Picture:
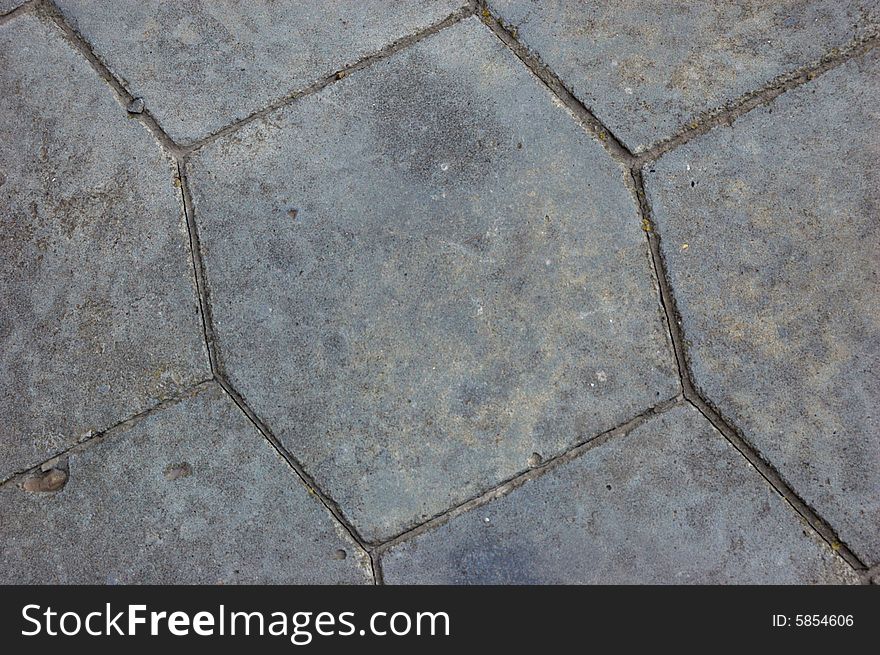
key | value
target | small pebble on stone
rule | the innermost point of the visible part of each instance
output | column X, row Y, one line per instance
column 136, row 106
column 46, row 481
column 177, row 471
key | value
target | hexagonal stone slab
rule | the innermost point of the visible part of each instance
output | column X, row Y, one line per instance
column 100, row 316
column 202, row 65
column 425, row 273
column 771, row 234
column 190, row 494
column 671, row 502
column 647, row 69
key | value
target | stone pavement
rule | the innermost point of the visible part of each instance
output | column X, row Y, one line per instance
column 439, row 291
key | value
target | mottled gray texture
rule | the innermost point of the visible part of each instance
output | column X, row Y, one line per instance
column 670, row 502
column 463, row 281
column 202, row 64
column 647, row 67
column 8, row 5
column 778, row 286
column 99, row 315
column 190, row 494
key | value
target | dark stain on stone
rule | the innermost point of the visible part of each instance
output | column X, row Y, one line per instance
column 292, row 213
column 336, row 348
column 427, row 123
column 487, row 559
column 177, row 471
column 472, row 398
column 479, row 242
column 46, row 481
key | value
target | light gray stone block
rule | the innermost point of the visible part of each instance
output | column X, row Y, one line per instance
column 671, row 502
column 648, row 68
column 771, row 233
column 426, row 273
column 190, row 494
column 99, row 316
column 202, row 65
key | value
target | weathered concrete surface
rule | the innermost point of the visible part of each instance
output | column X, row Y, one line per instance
column 202, row 65
column 8, row 5
column 646, row 69
column 670, row 502
column 424, row 274
column 99, row 314
column 778, row 285
column 189, row 494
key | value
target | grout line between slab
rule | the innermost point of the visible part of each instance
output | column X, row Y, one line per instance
column 581, row 112
column 54, row 15
column 20, row 9
column 667, row 302
column 775, row 479
column 713, row 118
column 198, row 269
column 376, row 565
column 505, row 487
column 294, row 464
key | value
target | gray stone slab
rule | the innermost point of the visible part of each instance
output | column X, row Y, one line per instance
column 647, row 69
column 8, row 5
column 202, row 65
column 424, row 274
column 671, row 503
column 190, row 494
column 100, row 317
column 778, row 285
